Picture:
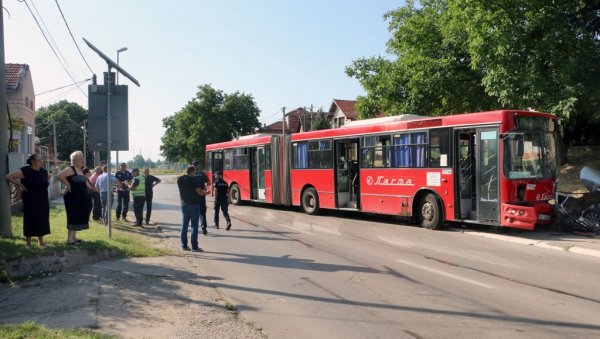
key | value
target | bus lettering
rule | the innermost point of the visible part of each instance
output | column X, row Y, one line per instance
column 383, row 181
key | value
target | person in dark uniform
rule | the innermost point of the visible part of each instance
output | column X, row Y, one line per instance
column 190, row 191
column 33, row 182
column 151, row 181
column 221, row 199
column 123, row 193
column 205, row 181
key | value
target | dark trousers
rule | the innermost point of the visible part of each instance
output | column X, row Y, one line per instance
column 138, row 209
column 97, row 206
column 203, row 222
column 122, row 203
column 148, row 206
column 224, row 206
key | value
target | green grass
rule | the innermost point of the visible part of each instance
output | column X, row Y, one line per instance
column 127, row 241
column 162, row 171
column 32, row 330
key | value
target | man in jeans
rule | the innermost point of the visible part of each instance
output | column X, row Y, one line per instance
column 191, row 190
column 125, row 179
column 103, row 186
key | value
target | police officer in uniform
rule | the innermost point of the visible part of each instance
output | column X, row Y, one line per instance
column 221, row 200
column 138, row 190
column 123, row 193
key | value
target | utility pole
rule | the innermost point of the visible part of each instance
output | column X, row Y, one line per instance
column 283, row 121
column 5, row 220
column 84, row 143
column 54, row 141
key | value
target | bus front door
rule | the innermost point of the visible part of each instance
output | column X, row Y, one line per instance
column 257, row 177
column 216, row 163
column 477, row 169
column 346, row 174
column 487, row 180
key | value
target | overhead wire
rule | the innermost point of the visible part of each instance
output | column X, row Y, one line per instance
column 72, row 37
column 50, row 45
column 69, row 85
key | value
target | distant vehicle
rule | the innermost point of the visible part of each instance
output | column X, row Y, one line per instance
column 494, row 168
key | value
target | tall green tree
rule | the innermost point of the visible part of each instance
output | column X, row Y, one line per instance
column 455, row 56
column 69, row 118
column 212, row 116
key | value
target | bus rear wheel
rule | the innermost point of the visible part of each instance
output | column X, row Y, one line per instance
column 430, row 216
column 234, row 194
column 310, row 201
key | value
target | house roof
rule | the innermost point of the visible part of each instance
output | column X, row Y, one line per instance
column 14, row 74
column 295, row 120
column 346, row 106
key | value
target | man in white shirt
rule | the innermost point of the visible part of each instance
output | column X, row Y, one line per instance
column 104, row 188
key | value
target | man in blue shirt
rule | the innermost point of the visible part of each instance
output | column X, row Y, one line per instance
column 104, row 188
column 125, row 179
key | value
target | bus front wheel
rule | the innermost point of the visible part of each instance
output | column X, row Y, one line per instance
column 234, row 194
column 430, row 215
column 310, row 201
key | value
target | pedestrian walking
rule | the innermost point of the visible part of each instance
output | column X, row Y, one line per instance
column 151, row 181
column 190, row 192
column 33, row 182
column 205, row 181
column 104, row 189
column 76, row 197
column 138, row 191
column 125, row 177
column 221, row 189
column 96, row 200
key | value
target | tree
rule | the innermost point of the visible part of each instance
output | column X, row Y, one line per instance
column 320, row 122
column 212, row 116
column 455, row 56
column 69, row 118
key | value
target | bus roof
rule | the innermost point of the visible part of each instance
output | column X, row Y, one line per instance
column 246, row 140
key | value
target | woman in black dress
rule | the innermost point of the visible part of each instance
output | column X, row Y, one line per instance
column 33, row 182
column 76, row 197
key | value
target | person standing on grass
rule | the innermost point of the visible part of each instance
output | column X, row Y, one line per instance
column 105, row 188
column 97, row 202
column 76, row 197
column 190, row 191
column 151, row 181
column 125, row 177
column 138, row 189
column 221, row 200
column 33, row 182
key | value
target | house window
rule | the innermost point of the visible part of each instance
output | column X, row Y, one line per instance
column 27, row 102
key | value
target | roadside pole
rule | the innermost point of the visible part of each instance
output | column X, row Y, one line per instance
column 5, row 220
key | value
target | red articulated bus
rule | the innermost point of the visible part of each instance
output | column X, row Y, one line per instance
column 493, row 168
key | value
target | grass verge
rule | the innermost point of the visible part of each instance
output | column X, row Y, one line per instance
column 127, row 241
column 30, row 329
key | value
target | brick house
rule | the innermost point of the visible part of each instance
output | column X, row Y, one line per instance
column 296, row 121
column 20, row 98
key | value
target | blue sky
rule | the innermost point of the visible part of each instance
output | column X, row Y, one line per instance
column 284, row 53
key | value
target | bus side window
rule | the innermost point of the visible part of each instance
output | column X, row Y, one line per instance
column 228, row 159
column 439, row 147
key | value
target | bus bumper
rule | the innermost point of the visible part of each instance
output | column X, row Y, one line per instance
column 517, row 216
column 526, row 217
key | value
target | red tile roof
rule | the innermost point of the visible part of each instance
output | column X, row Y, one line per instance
column 295, row 120
column 346, row 106
column 14, row 74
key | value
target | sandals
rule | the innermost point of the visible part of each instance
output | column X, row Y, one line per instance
column 76, row 242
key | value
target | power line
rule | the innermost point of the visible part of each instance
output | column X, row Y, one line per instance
column 72, row 37
column 69, row 85
column 50, row 45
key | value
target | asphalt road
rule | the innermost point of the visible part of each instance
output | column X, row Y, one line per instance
column 359, row 276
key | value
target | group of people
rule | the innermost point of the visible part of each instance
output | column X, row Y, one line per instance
column 193, row 186
column 85, row 194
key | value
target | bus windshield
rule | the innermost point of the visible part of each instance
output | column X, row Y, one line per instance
column 530, row 154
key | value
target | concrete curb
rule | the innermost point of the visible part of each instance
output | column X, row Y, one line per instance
column 538, row 243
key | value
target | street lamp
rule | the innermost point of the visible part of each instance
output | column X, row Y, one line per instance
column 122, row 49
